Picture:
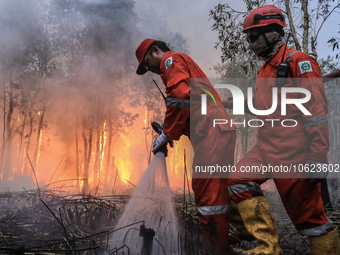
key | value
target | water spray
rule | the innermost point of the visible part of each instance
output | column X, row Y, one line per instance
column 151, row 203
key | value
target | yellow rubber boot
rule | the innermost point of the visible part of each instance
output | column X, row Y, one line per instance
column 260, row 223
column 241, row 233
column 328, row 244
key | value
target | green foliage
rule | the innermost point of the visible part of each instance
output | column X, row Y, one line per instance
column 328, row 65
column 231, row 40
column 228, row 22
column 334, row 41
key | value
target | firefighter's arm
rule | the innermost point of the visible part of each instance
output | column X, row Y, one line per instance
column 178, row 98
column 316, row 124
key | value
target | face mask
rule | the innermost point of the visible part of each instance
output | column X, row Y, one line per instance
column 264, row 45
column 258, row 46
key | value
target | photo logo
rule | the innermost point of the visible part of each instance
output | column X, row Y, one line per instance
column 238, row 100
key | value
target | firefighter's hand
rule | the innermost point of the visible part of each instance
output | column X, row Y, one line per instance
column 160, row 141
column 318, row 171
column 163, row 149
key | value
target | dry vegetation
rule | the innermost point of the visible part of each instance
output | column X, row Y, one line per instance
column 40, row 222
column 35, row 221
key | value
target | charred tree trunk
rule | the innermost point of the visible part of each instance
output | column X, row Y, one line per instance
column 102, row 146
column 37, row 148
column 108, row 167
column 86, row 167
column 22, row 137
column 3, row 147
column 115, row 175
column 28, row 144
column 97, row 154
column 87, row 154
column 77, row 156
column 8, row 151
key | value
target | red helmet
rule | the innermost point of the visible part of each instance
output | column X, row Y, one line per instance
column 140, row 53
column 264, row 16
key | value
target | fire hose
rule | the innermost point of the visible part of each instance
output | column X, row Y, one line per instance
column 331, row 76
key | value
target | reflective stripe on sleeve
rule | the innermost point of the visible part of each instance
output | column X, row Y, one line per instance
column 315, row 121
column 212, row 210
column 318, row 231
column 177, row 102
column 243, row 187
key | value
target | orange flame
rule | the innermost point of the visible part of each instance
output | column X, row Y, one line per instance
column 129, row 156
column 123, row 163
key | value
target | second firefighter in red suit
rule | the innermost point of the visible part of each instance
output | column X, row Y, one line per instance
column 307, row 143
column 214, row 146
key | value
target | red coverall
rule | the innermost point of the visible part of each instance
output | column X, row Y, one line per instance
column 309, row 140
column 216, row 145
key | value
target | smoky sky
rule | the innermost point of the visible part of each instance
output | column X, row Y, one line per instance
column 191, row 19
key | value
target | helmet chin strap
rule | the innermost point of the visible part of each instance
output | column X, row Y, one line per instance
column 269, row 48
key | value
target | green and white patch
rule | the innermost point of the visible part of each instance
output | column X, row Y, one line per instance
column 305, row 67
column 168, row 63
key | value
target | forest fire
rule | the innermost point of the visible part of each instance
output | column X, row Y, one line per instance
column 109, row 170
column 73, row 115
column 77, row 175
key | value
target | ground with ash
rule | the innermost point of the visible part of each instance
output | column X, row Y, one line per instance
column 39, row 221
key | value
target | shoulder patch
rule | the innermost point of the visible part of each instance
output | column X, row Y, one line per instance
column 168, row 63
column 305, row 67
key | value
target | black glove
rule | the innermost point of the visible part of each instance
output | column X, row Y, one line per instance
column 162, row 149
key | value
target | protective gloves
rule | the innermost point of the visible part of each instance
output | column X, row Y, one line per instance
column 163, row 149
column 161, row 141
column 319, row 171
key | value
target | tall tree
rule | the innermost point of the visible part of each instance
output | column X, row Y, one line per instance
column 305, row 30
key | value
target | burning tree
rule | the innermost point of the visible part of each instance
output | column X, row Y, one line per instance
column 70, row 93
column 65, row 78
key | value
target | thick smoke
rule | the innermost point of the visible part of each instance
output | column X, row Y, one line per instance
column 74, row 110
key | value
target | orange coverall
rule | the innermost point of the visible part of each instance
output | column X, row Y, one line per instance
column 211, row 194
column 308, row 140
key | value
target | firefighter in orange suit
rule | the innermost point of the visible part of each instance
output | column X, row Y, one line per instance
column 305, row 143
column 211, row 194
